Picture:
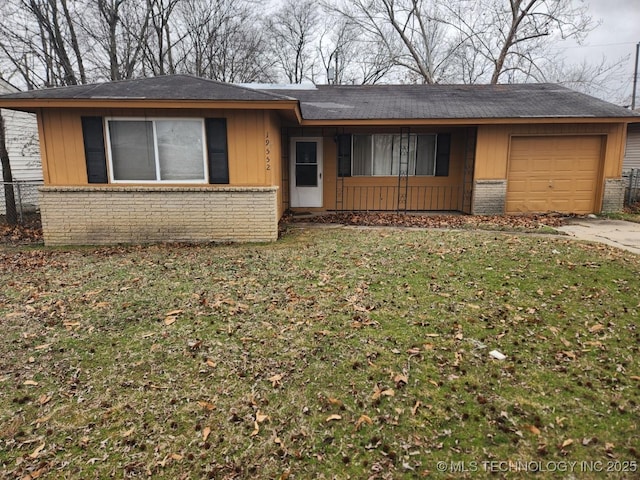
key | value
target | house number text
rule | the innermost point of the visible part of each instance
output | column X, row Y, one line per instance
column 267, row 150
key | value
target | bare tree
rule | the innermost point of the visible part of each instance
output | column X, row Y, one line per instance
column 7, row 178
column 39, row 40
column 59, row 39
column 508, row 40
column 293, row 32
column 410, row 32
column 161, row 42
column 593, row 78
column 119, row 30
column 221, row 41
column 347, row 57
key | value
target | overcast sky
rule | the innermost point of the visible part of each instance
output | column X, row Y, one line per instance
column 615, row 38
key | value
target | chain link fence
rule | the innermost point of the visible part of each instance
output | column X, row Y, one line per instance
column 25, row 194
column 632, row 192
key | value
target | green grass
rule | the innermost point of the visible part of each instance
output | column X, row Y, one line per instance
column 627, row 216
column 333, row 353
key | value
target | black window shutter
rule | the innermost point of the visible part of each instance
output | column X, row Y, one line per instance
column 94, row 152
column 217, row 150
column 344, row 155
column 442, row 155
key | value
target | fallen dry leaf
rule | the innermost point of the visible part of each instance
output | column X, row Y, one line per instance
column 285, row 475
column 206, row 405
column 173, row 313
column 41, row 420
column 30, row 383
column 334, row 417
column 169, row 320
column 37, row 451
column 379, row 392
column 205, row 433
column 260, row 417
column 401, row 378
column 364, row 419
column 567, row 442
column 533, row 429
column 276, row 380
column 596, row 328
column 128, row 432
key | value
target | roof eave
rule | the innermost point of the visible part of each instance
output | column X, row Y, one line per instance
column 462, row 121
column 34, row 104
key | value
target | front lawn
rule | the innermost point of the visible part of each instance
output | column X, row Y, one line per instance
column 333, row 353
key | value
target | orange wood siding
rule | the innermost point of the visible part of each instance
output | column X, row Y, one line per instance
column 273, row 155
column 63, row 150
column 492, row 150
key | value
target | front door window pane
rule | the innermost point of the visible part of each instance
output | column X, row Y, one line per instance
column 306, row 164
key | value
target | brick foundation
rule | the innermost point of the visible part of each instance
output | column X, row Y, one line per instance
column 613, row 198
column 107, row 215
column 489, row 197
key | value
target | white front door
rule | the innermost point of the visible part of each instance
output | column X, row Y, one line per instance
column 306, row 172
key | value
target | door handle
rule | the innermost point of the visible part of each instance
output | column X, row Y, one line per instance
column 320, row 175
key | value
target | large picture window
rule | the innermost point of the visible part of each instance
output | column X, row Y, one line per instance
column 385, row 154
column 157, row 150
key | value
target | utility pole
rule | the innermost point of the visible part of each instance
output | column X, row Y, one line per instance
column 635, row 78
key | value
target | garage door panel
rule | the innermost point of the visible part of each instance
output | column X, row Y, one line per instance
column 553, row 174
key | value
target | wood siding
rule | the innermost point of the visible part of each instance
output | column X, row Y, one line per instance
column 492, row 150
column 63, row 150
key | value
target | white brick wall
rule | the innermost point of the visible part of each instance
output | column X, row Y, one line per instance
column 107, row 215
column 489, row 197
column 613, row 198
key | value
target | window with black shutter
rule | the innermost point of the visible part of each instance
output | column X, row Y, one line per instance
column 442, row 155
column 216, row 129
column 344, row 155
column 94, row 151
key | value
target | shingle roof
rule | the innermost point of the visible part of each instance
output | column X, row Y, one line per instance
column 372, row 102
column 170, row 87
column 449, row 102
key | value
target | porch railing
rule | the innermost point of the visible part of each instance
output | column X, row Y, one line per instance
column 418, row 198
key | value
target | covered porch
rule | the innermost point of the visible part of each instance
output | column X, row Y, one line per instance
column 394, row 169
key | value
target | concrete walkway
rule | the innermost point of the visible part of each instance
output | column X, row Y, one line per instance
column 617, row 233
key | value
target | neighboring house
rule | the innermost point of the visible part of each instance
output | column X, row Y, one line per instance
column 21, row 131
column 180, row 158
column 632, row 151
column 631, row 165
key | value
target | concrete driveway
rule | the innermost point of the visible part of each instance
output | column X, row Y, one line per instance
column 617, row 233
